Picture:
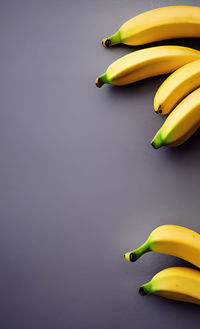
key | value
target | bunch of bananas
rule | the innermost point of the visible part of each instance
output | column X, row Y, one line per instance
column 178, row 283
column 179, row 98
column 179, row 95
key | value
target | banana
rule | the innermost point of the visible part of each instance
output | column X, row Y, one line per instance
column 146, row 63
column 173, row 240
column 178, row 85
column 181, row 123
column 158, row 24
column 178, row 283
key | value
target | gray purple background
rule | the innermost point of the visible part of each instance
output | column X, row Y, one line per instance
column 80, row 182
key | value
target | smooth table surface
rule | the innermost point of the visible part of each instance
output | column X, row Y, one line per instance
column 80, row 182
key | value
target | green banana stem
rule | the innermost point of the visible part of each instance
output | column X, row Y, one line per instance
column 137, row 253
column 112, row 40
column 146, row 289
column 101, row 80
column 157, row 140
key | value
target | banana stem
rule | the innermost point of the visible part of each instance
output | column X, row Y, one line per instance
column 157, row 140
column 145, row 289
column 137, row 253
column 112, row 40
column 101, row 80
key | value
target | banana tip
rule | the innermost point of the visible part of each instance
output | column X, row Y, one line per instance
column 106, row 42
column 153, row 144
column 99, row 83
column 142, row 292
column 158, row 109
column 130, row 257
column 126, row 256
column 157, row 142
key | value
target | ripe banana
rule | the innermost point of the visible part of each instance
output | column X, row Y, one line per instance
column 146, row 63
column 158, row 24
column 178, row 283
column 181, row 123
column 178, row 85
column 173, row 240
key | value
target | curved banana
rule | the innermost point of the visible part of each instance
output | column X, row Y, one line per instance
column 158, row 24
column 178, row 283
column 181, row 123
column 173, row 240
column 178, row 85
column 146, row 63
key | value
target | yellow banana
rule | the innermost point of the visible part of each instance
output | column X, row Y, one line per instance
column 158, row 24
column 173, row 240
column 178, row 283
column 178, row 85
column 146, row 63
column 181, row 123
